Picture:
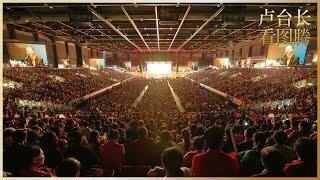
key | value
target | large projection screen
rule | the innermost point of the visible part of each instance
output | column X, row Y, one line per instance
column 159, row 68
column 20, row 52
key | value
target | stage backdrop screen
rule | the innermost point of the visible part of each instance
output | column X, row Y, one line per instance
column 97, row 63
column 300, row 50
column 19, row 52
column 277, row 51
column 159, row 67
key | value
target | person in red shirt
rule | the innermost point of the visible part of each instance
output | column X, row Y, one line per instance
column 214, row 163
column 112, row 153
column 306, row 165
column 31, row 160
column 143, row 145
column 198, row 144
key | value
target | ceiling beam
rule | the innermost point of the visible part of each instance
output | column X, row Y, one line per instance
column 113, row 27
column 134, row 26
column 202, row 26
column 76, row 30
column 104, row 34
column 212, row 33
column 157, row 23
column 248, row 25
column 53, row 35
column 55, row 31
column 184, row 17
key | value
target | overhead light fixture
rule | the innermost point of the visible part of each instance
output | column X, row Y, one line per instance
column 170, row 29
column 51, row 7
column 8, row 8
column 135, row 4
column 141, row 20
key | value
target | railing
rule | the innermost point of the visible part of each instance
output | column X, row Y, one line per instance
column 234, row 100
column 88, row 96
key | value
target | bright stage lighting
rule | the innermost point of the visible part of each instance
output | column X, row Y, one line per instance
column 159, row 68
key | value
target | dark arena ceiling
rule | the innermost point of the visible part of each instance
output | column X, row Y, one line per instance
column 150, row 27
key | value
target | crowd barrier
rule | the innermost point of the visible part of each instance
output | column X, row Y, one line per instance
column 88, row 96
column 234, row 100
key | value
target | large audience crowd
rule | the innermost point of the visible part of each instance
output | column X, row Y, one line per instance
column 256, row 86
column 211, row 139
column 58, row 85
column 157, row 99
column 260, row 84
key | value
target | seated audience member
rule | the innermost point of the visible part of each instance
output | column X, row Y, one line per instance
column 171, row 160
column 198, row 145
column 50, row 145
column 112, row 153
column 238, row 133
column 270, row 141
column 30, row 161
column 81, row 152
column 165, row 141
column 287, row 125
column 32, row 138
column 69, row 167
column 7, row 147
column 132, row 132
column 280, row 139
column 250, row 162
column 94, row 142
column 122, row 137
column 7, row 138
column 63, row 145
column 273, row 162
column 306, row 165
column 214, row 163
column 294, row 127
column 144, row 146
column 227, row 146
column 247, row 143
column 303, row 131
column 185, row 145
column 11, row 154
